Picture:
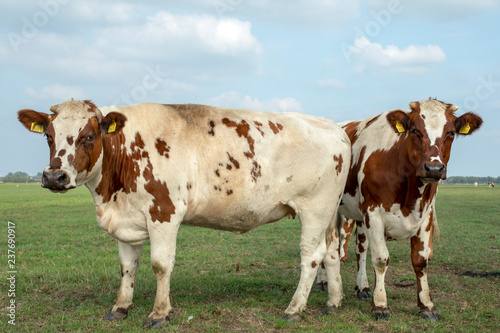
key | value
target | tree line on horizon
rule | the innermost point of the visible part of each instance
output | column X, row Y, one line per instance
column 23, row 177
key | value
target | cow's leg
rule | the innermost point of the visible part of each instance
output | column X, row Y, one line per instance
column 362, row 286
column 380, row 263
column 130, row 258
column 346, row 227
column 421, row 250
column 322, row 278
column 163, row 241
column 312, row 252
column 332, row 269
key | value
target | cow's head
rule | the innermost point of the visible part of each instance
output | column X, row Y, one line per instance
column 75, row 133
column 429, row 130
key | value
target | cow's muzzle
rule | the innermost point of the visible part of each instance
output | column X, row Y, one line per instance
column 55, row 180
column 433, row 172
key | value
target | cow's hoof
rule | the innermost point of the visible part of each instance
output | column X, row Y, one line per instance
column 156, row 323
column 431, row 315
column 119, row 314
column 322, row 286
column 291, row 318
column 381, row 314
column 330, row 309
column 364, row 294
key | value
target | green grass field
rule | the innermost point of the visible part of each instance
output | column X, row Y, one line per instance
column 68, row 272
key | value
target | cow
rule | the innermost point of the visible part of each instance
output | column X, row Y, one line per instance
column 152, row 167
column 491, row 185
column 475, row 184
column 397, row 161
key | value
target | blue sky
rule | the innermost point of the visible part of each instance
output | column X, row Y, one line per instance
column 343, row 60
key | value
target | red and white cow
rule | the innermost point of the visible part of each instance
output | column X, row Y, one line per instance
column 397, row 160
column 151, row 168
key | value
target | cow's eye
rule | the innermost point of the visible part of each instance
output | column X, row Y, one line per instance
column 450, row 136
column 415, row 132
column 89, row 138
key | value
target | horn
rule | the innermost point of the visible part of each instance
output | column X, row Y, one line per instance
column 53, row 108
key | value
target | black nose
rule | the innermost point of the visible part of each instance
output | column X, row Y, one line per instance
column 434, row 170
column 54, row 180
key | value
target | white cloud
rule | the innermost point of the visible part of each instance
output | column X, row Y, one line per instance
column 413, row 58
column 234, row 99
column 56, row 91
column 165, row 36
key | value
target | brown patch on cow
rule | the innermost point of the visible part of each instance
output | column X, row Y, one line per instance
column 255, row 172
column 211, row 130
column 55, row 163
column 162, row 208
column 228, row 166
column 314, row 264
column 189, row 186
column 339, row 161
column 229, row 192
column 242, row 129
column 351, row 130
column 119, row 169
column 234, row 161
column 322, row 265
column 61, row 152
column 352, row 177
column 360, row 241
column 217, row 173
column 259, row 125
column 132, row 285
column 70, row 140
column 217, row 188
column 276, row 128
column 162, row 147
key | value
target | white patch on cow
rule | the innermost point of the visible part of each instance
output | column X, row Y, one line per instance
column 433, row 115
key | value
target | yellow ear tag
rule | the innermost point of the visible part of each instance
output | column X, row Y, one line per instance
column 399, row 127
column 112, row 127
column 465, row 129
column 36, row 127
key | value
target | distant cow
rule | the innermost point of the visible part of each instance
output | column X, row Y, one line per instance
column 151, row 168
column 397, row 160
column 491, row 185
column 475, row 184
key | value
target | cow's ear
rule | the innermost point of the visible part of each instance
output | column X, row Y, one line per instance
column 398, row 120
column 113, row 122
column 468, row 123
column 34, row 121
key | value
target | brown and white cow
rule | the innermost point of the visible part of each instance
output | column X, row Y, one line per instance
column 151, row 168
column 397, row 160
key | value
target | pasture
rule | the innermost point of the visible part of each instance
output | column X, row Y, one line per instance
column 68, row 273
